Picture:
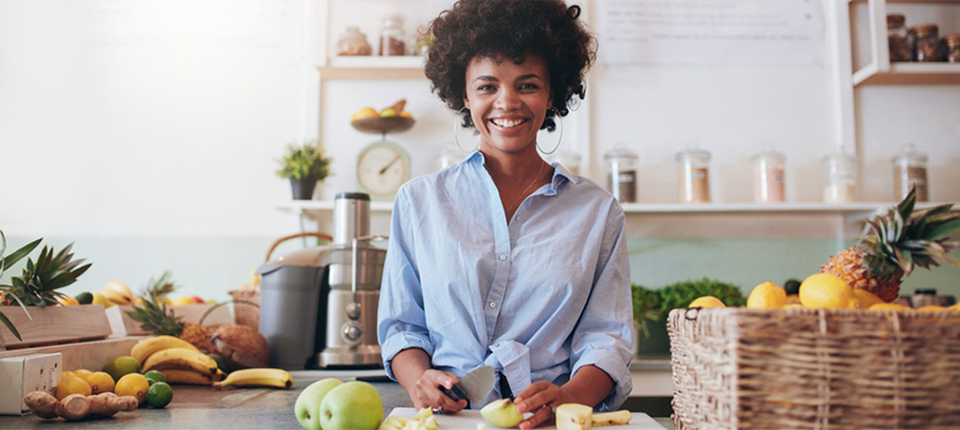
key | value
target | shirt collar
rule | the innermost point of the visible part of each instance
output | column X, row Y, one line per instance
column 560, row 173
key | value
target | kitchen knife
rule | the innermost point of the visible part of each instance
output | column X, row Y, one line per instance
column 474, row 386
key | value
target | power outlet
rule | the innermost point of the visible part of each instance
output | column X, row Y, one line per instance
column 22, row 375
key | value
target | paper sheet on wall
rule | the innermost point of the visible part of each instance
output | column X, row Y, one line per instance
column 710, row 32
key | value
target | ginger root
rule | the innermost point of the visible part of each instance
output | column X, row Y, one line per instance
column 78, row 406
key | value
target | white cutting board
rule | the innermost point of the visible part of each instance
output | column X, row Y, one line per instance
column 468, row 420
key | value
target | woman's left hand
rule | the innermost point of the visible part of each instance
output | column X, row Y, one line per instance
column 541, row 398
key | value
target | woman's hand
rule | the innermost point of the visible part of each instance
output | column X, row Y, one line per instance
column 426, row 392
column 541, row 398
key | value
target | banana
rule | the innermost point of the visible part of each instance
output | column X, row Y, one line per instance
column 147, row 347
column 116, row 297
column 177, row 376
column 119, row 286
column 181, row 359
column 611, row 418
column 257, row 377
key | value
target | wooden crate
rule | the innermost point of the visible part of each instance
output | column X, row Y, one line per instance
column 740, row 368
column 53, row 325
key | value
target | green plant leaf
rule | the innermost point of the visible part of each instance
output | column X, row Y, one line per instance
column 944, row 230
column 9, row 324
column 14, row 257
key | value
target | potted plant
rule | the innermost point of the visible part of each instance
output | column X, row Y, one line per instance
column 304, row 165
column 31, row 299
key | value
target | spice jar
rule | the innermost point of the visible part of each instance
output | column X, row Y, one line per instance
column 353, row 42
column 391, row 36
column 693, row 176
column 621, row 164
column 897, row 38
column 768, row 175
column 926, row 45
column 951, row 44
column 841, row 176
column 910, row 170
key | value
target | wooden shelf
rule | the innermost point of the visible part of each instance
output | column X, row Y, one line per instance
column 373, row 67
column 909, row 74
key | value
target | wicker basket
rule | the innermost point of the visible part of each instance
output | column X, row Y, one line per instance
column 741, row 368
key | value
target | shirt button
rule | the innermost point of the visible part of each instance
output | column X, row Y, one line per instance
column 493, row 304
column 503, row 257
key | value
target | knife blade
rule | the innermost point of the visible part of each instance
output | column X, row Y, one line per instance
column 473, row 386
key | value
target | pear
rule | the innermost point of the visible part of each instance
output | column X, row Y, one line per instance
column 501, row 413
column 307, row 408
column 573, row 416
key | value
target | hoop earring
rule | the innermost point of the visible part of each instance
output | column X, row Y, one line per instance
column 555, row 148
column 455, row 128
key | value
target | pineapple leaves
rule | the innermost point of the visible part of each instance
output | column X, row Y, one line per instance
column 6, row 321
column 905, row 208
column 17, row 255
column 905, row 260
column 944, row 229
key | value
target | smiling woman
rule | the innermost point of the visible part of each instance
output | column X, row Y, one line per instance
column 480, row 268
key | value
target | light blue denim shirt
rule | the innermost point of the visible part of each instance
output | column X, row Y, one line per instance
column 536, row 298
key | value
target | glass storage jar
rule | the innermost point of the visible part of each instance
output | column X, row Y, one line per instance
column 926, row 43
column 569, row 160
column 897, row 38
column 909, row 170
column 392, row 36
column 353, row 42
column 768, row 177
column 693, row 176
column 841, row 177
column 621, row 165
column 951, row 44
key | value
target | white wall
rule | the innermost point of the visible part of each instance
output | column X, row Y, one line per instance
column 140, row 122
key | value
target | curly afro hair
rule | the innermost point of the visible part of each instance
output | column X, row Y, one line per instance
column 510, row 29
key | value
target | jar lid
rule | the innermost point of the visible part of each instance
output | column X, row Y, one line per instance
column 895, row 20
column 838, row 156
column 619, row 152
column 952, row 40
column 923, row 30
column 910, row 154
column 770, row 154
column 393, row 21
column 687, row 154
column 352, row 31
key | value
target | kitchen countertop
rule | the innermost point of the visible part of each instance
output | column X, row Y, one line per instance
column 196, row 407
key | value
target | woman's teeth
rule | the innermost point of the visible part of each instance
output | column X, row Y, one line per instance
column 507, row 123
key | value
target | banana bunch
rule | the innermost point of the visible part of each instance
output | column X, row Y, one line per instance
column 257, row 377
column 117, row 293
column 178, row 360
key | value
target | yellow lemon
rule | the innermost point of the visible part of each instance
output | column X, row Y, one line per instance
column 67, row 301
column 72, row 385
column 100, row 382
column 100, row 299
column 793, row 299
column 794, row 306
column 367, row 112
column 707, row 302
column 889, row 307
column 955, row 307
column 867, row 299
column 67, row 374
column 406, row 114
column 82, row 373
column 767, row 296
column 133, row 384
column 931, row 308
column 824, row 290
column 183, row 301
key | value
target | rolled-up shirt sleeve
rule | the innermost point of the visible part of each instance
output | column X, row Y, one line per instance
column 401, row 322
column 604, row 335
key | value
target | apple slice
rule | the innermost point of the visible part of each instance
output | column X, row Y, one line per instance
column 573, row 416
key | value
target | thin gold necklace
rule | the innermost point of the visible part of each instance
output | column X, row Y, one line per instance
column 524, row 193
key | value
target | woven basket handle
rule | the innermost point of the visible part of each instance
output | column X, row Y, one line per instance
column 318, row 235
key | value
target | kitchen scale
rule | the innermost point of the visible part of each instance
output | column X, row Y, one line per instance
column 382, row 166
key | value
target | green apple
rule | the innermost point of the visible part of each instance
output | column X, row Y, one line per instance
column 501, row 413
column 351, row 405
column 307, row 407
column 388, row 112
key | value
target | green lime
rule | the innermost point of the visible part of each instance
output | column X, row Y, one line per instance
column 84, row 298
column 159, row 395
column 121, row 366
column 221, row 362
column 792, row 286
column 154, row 376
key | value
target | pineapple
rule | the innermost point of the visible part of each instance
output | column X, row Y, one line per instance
column 897, row 243
column 153, row 316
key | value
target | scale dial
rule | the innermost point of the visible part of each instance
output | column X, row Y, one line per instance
column 382, row 168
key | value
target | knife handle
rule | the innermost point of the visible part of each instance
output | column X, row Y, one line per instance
column 456, row 393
